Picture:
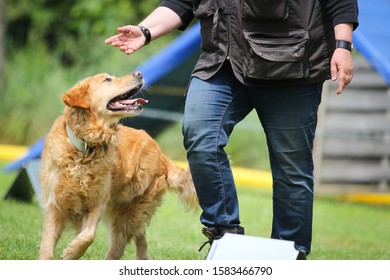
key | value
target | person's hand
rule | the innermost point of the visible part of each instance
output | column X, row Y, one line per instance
column 341, row 68
column 129, row 39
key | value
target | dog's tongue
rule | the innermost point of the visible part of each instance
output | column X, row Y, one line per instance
column 126, row 104
column 139, row 101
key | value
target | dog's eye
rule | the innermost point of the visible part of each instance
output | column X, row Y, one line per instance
column 107, row 80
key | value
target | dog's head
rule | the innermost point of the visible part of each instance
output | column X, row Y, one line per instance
column 106, row 97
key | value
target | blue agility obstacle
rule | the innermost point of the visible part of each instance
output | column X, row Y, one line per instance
column 372, row 37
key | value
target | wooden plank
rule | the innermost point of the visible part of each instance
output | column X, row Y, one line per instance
column 365, row 80
column 353, row 136
column 360, row 63
column 347, row 171
column 355, row 148
column 359, row 100
column 337, row 188
column 365, row 123
column 369, row 80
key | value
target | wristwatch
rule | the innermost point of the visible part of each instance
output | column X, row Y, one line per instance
column 146, row 32
column 344, row 45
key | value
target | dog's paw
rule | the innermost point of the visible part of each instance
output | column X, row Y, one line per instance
column 68, row 254
column 142, row 257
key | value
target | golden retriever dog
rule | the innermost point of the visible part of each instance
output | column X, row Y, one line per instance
column 95, row 168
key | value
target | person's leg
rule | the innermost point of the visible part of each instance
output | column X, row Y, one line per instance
column 212, row 109
column 289, row 118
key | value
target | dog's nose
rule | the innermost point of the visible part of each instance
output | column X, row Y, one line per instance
column 137, row 74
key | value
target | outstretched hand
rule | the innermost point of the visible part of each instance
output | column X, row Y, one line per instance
column 341, row 68
column 129, row 39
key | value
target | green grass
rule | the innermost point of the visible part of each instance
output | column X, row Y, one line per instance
column 342, row 230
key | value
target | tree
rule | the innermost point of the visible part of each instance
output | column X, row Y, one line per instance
column 67, row 26
column 2, row 44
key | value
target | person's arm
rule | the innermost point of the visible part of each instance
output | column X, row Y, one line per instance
column 160, row 22
column 344, row 16
column 341, row 67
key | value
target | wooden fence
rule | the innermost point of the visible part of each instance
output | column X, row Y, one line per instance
column 352, row 146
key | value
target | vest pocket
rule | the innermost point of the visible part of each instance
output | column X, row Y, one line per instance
column 276, row 58
column 265, row 9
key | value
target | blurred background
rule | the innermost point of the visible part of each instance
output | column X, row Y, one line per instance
column 49, row 45
column 46, row 46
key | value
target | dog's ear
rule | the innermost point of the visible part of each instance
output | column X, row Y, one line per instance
column 77, row 96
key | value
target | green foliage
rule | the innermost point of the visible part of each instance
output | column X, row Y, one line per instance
column 26, row 89
column 69, row 27
column 36, row 74
column 65, row 43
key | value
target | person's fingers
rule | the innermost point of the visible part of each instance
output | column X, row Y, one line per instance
column 341, row 87
column 341, row 69
column 124, row 35
column 129, row 51
column 111, row 39
column 333, row 70
column 345, row 77
column 117, row 43
column 124, row 29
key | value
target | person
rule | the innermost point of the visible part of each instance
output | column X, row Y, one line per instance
column 272, row 56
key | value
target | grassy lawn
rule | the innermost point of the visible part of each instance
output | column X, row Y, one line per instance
column 341, row 230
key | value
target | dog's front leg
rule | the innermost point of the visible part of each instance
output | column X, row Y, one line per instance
column 53, row 225
column 141, row 247
column 119, row 239
column 85, row 238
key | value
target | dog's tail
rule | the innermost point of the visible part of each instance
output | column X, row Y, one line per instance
column 180, row 182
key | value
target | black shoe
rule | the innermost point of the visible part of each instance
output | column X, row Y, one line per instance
column 302, row 256
column 301, row 253
column 217, row 232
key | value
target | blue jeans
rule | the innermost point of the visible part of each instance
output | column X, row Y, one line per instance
column 288, row 116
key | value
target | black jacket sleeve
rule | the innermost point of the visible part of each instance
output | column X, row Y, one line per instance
column 338, row 11
column 342, row 11
column 183, row 8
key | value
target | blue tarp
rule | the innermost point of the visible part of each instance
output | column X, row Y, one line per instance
column 372, row 37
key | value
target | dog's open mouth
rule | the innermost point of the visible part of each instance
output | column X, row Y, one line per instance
column 123, row 103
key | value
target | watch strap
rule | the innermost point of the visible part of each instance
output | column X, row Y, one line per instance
column 146, row 32
column 344, row 45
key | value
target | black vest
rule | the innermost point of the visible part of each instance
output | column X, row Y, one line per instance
column 280, row 42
